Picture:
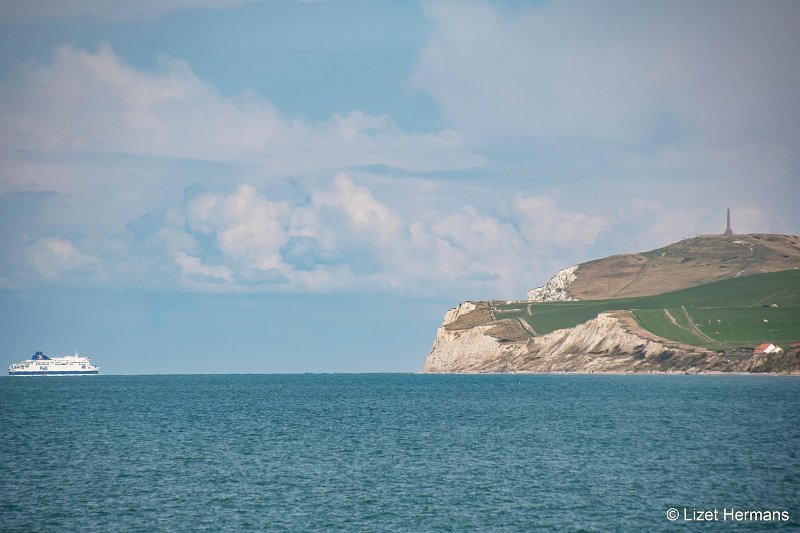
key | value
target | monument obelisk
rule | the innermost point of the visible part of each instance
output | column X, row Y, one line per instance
column 728, row 230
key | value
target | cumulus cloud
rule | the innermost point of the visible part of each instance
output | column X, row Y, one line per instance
column 542, row 221
column 248, row 227
column 193, row 268
column 363, row 211
column 58, row 120
column 343, row 235
column 316, row 242
column 285, row 204
column 339, row 236
column 53, row 257
column 92, row 101
column 482, row 242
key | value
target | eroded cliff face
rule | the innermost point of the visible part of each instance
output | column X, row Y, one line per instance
column 611, row 342
column 461, row 309
column 461, row 343
column 473, row 339
column 555, row 290
column 470, row 350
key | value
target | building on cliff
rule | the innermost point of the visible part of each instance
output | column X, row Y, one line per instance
column 767, row 347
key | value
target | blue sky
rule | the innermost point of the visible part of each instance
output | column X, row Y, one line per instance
column 278, row 186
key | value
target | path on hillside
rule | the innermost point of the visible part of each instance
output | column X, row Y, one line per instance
column 521, row 322
column 684, row 328
column 631, row 282
column 672, row 319
column 694, row 328
column 675, row 322
column 527, row 327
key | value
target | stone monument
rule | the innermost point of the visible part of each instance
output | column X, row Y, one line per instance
column 728, row 230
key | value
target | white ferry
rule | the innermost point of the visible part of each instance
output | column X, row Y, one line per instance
column 41, row 365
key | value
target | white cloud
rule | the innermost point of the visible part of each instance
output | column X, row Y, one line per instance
column 94, row 102
column 58, row 119
column 338, row 236
column 346, row 236
column 479, row 236
column 362, row 209
column 343, row 237
column 53, row 257
column 332, row 228
column 193, row 268
column 543, row 222
column 86, row 101
column 248, row 228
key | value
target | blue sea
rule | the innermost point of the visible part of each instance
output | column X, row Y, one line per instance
column 398, row 452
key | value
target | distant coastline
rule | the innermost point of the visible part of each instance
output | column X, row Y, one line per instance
column 714, row 304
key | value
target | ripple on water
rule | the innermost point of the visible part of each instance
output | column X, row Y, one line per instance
column 392, row 452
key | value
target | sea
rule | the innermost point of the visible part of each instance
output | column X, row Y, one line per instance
column 400, row 452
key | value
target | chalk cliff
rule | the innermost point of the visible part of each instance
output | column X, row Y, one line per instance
column 555, row 290
column 472, row 339
column 611, row 342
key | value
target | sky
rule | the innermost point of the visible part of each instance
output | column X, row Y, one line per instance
column 212, row 186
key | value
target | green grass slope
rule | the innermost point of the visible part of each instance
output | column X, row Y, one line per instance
column 720, row 316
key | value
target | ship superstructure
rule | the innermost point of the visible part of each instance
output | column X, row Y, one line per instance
column 41, row 365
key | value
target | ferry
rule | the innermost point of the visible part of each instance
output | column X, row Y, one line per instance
column 41, row 365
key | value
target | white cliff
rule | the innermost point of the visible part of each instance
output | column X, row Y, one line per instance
column 555, row 290
column 461, row 309
column 611, row 342
column 492, row 337
column 464, row 344
column 468, row 350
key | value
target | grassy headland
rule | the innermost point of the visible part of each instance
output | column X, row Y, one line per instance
column 722, row 315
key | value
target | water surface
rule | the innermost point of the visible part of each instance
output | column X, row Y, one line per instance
column 394, row 452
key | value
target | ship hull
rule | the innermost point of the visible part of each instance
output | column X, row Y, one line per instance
column 54, row 373
column 41, row 365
